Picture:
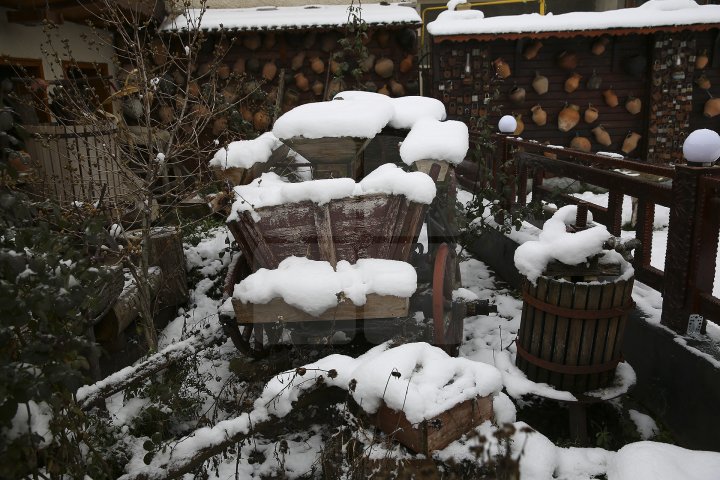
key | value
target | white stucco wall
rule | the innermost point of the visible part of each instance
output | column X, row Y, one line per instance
column 22, row 41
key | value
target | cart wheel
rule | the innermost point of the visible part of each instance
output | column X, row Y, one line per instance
column 447, row 325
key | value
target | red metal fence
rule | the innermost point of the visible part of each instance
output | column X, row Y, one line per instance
column 691, row 193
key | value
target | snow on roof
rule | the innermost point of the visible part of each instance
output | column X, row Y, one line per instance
column 246, row 153
column 291, row 18
column 430, row 139
column 654, row 13
column 321, row 284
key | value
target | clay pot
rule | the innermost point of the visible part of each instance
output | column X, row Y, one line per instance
column 179, row 78
column 367, row 63
column 297, row 61
column 599, row 46
column 517, row 95
column 223, row 72
column 594, row 81
column 602, row 136
column 567, row 60
column 317, row 88
column 269, row 71
column 252, row 41
column 633, row 105
column 712, row 107
column 317, row 65
column 635, row 65
column 572, row 82
column 701, row 60
column 397, row 89
column 406, row 63
column 631, row 142
column 261, row 120
column 302, row 82
column 502, row 69
column 384, row 90
column 204, row 68
column 166, row 114
column 610, row 98
column 581, row 143
column 219, row 125
column 591, row 114
column 532, row 50
column 229, row 93
column 239, row 67
column 246, row 113
column 703, row 82
column 269, row 40
column 193, row 89
column 539, row 116
column 382, row 37
column 520, row 125
column 568, row 118
column 385, row 67
column 540, row 84
column 335, row 67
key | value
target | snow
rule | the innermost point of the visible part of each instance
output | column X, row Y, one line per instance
column 646, row 426
column 276, row 18
column 555, row 243
column 702, row 146
column 31, row 417
column 430, row 139
column 335, row 118
column 246, row 153
column 321, row 285
column 654, row 13
column 271, row 189
column 660, row 461
column 407, row 110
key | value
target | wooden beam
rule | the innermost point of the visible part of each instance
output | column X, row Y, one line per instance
column 32, row 16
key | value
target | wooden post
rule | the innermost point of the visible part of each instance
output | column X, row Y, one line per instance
column 166, row 252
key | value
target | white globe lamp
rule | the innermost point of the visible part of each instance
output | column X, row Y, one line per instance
column 507, row 125
column 702, row 148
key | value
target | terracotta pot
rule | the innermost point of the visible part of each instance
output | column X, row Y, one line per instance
column 633, row 105
column 540, row 84
column 223, row 72
column 166, row 114
column 631, row 142
column 539, row 116
column 591, row 114
column 261, row 120
column 335, row 67
column 317, row 65
column 317, row 88
column 572, row 82
column 252, row 41
column 239, row 67
column 567, row 60
column 385, row 67
column 269, row 40
column 581, row 143
column 712, row 107
column 297, row 61
column 594, row 81
column 382, row 37
column 219, row 125
column 406, row 63
column 602, row 136
column 384, row 90
column 701, row 60
column 610, row 98
column 517, row 95
column 502, row 69
column 269, row 71
column 532, row 50
column 193, row 89
column 568, row 118
column 229, row 93
column 397, row 89
column 599, row 46
column 204, row 68
column 302, row 82
column 520, row 125
column 367, row 63
column 703, row 82
column 246, row 113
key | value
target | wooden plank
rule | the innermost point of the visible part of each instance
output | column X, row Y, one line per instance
column 572, row 350
column 327, row 149
column 588, row 335
column 393, row 209
column 601, row 333
column 559, row 339
column 593, row 269
column 377, row 306
column 525, row 325
column 325, row 242
column 548, row 333
column 611, row 349
column 537, row 327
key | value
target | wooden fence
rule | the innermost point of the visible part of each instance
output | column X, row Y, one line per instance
column 691, row 193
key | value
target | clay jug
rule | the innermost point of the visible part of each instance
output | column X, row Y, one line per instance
column 532, row 50
column 297, row 61
column 382, row 37
column 520, row 128
column 602, row 136
column 318, row 87
column 252, row 41
column 204, row 68
column 269, row 71
column 539, row 116
column 517, row 95
column 219, row 125
column 591, row 114
column 193, row 89
column 317, row 65
column 631, row 142
column 406, row 64
column 599, row 46
column 302, row 82
column 335, row 67
column 367, row 63
column 397, row 89
column 384, row 67
column 540, row 84
column 712, row 107
column 568, row 118
column 581, row 143
column 239, row 67
column 246, row 113
column 701, row 60
column 572, row 82
column 703, row 82
column 269, row 40
column 261, row 120
column 633, row 105
column 384, row 90
column 594, row 81
column 567, row 60
column 610, row 98
column 502, row 69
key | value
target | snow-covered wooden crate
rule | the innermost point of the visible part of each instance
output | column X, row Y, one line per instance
column 332, row 157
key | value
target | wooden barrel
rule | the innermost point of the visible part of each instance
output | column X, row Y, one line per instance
column 571, row 334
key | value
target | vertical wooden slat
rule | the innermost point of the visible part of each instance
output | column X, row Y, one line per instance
column 525, row 324
column 575, row 331
column 554, row 296
column 323, row 226
column 588, row 334
column 538, row 323
column 607, row 300
column 559, row 338
column 393, row 207
column 611, row 349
